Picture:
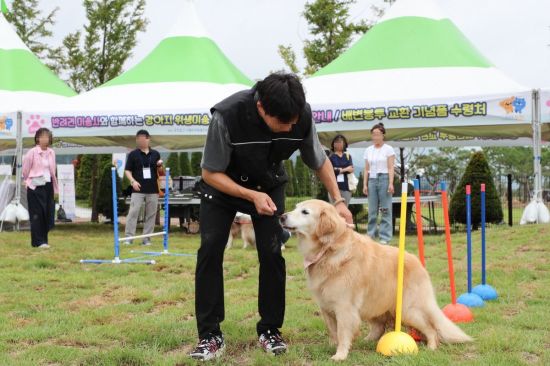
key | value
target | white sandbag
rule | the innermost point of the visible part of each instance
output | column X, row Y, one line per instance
column 21, row 213
column 543, row 214
column 9, row 213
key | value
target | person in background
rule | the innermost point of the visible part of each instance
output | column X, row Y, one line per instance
column 378, row 187
column 39, row 175
column 343, row 166
column 141, row 171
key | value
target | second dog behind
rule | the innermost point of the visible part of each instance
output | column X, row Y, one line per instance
column 242, row 225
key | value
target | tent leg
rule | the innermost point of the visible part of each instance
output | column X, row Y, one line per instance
column 536, row 211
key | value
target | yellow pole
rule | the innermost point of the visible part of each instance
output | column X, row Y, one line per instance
column 401, row 258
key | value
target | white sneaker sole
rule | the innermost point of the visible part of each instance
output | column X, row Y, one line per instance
column 218, row 354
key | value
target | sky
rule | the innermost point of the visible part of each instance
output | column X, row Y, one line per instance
column 514, row 35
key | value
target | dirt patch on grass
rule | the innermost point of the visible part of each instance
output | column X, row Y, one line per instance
column 530, row 358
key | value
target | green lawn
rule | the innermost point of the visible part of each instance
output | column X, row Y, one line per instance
column 56, row 311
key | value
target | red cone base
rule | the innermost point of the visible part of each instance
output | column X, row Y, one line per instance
column 458, row 313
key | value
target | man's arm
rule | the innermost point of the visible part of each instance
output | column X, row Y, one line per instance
column 315, row 158
column 215, row 160
column 134, row 183
column 326, row 175
column 221, row 181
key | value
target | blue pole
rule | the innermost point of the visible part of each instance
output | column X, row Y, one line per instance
column 115, row 211
column 469, row 235
column 166, row 213
column 483, row 234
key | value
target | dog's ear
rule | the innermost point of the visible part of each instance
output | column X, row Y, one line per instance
column 326, row 225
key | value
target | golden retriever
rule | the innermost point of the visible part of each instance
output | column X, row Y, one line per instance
column 242, row 225
column 353, row 279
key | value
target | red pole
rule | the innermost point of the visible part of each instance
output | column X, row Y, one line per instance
column 445, row 204
column 419, row 231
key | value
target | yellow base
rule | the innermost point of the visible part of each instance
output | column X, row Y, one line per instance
column 395, row 343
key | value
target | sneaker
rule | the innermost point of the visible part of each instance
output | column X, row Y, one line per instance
column 146, row 242
column 44, row 246
column 383, row 242
column 209, row 348
column 272, row 342
column 127, row 242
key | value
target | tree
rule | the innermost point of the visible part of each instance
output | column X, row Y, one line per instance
column 105, row 198
column 196, row 158
column 332, row 33
column 291, row 184
column 517, row 161
column 173, row 163
column 303, row 178
column 445, row 163
column 33, row 28
column 84, row 177
column 477, row 172
column 185, row 164
column 96, row 54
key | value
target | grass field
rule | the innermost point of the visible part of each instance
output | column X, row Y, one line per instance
column 55, row 311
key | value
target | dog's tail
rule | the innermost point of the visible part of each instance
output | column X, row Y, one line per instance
column 448, row 331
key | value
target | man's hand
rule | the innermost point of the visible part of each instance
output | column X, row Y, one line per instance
column 159, row 163
column 344, row 212
column 263, row 203
column 366, row 190
column 391, row 189
column 136, row 186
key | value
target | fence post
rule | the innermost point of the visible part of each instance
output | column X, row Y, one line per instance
column 509, row 193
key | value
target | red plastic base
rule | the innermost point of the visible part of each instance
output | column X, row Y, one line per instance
column 417, row 336
column 458, row 313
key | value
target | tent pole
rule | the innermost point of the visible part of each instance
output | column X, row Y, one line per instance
column 537, row 146
column 18, row 160
column 18, row 157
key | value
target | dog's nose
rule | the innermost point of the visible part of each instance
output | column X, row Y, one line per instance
column 282, row 219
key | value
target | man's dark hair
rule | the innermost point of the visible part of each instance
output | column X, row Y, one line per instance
column 144, row 133
column 282, row 96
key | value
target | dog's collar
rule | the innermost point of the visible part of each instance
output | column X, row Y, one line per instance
column 308, row 263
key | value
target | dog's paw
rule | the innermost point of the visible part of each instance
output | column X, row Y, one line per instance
column 339, row 357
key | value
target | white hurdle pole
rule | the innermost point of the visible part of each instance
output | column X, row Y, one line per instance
column 117, row 259
column 166, row 224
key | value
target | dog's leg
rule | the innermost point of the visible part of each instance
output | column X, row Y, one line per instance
column 347, row 325
column 377, row 329
column 229, row 241
column 330, row 322
column 417, row 320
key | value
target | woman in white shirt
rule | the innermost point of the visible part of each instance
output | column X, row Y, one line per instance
column 378, row 184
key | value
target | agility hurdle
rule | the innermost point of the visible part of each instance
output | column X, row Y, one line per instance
column 117, row 239
column 166, row 226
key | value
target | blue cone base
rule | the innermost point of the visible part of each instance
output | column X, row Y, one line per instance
column 471, row 300
column 486, row 292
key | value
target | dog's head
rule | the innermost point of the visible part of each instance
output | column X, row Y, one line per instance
column 314, row 219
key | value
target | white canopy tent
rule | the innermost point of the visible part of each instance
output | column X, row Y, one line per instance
column 419, row 75
column 169, row 93
column 25, row 84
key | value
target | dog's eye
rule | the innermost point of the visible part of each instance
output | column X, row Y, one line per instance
column 305, row 212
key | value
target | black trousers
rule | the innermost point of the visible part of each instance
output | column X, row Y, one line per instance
column 217, row 212
column 41, row 212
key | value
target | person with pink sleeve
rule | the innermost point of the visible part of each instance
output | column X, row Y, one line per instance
column 39, row 175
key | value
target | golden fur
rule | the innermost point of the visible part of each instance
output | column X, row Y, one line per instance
column 353, row 279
